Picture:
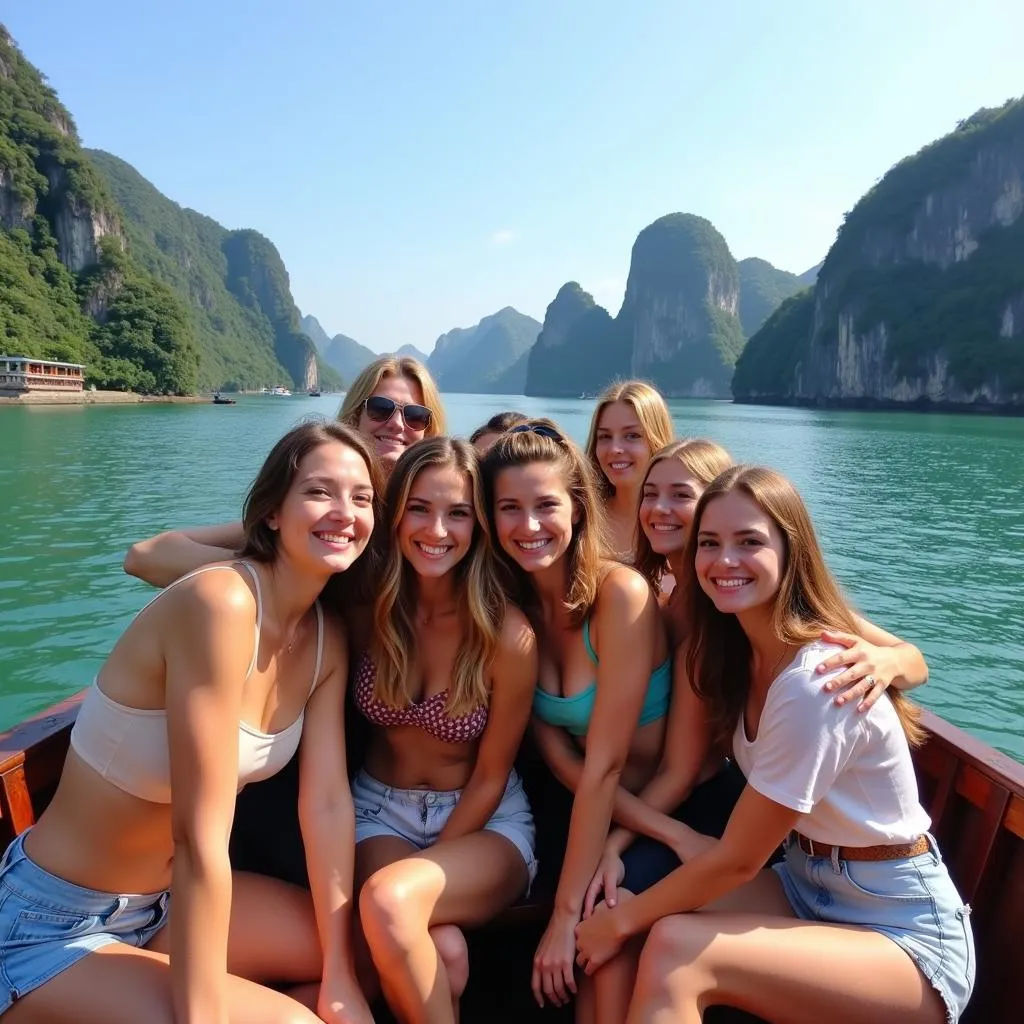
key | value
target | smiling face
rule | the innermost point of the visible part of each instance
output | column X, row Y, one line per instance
column 533, row 515
column 326, row 518
column 438, row 522
column 392, row 438
column 621, row 446
column 740, row 554
column 667, row 505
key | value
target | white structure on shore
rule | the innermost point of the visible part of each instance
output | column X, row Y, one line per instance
column 20, row 374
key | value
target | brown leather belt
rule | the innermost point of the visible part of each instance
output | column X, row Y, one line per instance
column 815, row 849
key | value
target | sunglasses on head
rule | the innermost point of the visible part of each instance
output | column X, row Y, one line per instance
column 381, row 409
column 538, row 428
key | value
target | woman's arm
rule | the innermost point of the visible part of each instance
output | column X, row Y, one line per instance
column 757, row 826
column 628, row 621
column 513, row 675
column 873, row 660
column 327, row 821
column 162, row 559
column 687, row 741
column 204, row 684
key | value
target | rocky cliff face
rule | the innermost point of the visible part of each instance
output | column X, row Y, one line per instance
column 921, row 298
column 475, row 359
column 678, row 325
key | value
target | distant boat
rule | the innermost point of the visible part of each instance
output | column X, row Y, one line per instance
column 314, row 392
column 217, row 400
column 280, row 392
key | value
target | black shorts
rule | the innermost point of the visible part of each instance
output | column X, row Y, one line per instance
column 705, row 810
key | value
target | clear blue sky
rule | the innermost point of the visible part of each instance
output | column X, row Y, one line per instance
column 421, row 163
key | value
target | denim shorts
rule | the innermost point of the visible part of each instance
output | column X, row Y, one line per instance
column 47, row 924
column 911, row 900
column 418, row 815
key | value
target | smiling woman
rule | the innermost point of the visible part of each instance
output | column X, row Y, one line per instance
column 210, row 688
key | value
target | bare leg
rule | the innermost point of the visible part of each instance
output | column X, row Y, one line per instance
column 466, row 882
column 777, row 967
column 272, row 935
column 452, row 951
column 123, row 985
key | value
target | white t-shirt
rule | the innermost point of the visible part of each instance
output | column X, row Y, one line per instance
column 848, row 773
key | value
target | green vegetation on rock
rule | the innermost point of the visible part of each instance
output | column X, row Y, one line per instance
column 67, row 289
column 921, row 298
column 763, row 288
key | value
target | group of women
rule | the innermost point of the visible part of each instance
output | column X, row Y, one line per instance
column 659, row 619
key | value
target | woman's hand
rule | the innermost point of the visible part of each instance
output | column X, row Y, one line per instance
column 599, row 938
column 342, row 1002
column 870, row 669
column 607, row 879
column 554, row 961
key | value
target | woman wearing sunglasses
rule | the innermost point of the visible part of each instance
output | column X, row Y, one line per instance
column 603, row 688
column 393, row 403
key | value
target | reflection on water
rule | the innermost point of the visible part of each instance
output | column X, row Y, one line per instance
column 920, row 516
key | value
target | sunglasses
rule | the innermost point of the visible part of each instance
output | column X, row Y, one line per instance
column 538, row 428
column 381, row 409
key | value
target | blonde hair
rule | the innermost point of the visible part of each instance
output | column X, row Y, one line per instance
column 523, row 446
column 652, row 412
column 478, row 591
column 808, row 601
column 393, row 366
column 703, row 460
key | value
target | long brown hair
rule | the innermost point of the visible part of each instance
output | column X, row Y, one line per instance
column 652, row 412
column 393, row 366
column 808, row 601
column 479, row 594
column 530, row 443
column 703, row 460
column 273, row 482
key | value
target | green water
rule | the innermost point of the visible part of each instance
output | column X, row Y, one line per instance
column 921, row 516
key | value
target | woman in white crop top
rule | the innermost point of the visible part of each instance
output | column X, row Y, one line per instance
column 861, row 920
column 210, row 687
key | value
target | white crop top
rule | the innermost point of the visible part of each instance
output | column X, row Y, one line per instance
column 849, row 774
column 129, row 747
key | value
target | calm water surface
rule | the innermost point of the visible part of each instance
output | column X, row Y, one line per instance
column 921, row 517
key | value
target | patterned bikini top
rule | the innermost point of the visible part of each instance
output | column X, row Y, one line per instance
column 430, row 715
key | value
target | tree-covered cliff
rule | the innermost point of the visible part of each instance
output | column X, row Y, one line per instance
column 678, row 325
column 487, row 358
column 921, row 298
column 233, row 283
column 68, row 290
column 763, row 288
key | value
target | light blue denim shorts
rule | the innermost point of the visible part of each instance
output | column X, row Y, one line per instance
column 47, row 924
column 911, row 900
column 418, row 815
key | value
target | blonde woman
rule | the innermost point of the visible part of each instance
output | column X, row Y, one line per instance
column 444, row 829
column 631, row 421
column 861, row 920
column 393, row 403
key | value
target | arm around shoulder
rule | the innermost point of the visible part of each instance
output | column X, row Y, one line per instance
column 168, row 556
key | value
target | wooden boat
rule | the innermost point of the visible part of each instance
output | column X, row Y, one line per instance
column 217, row 400
column 974, row 794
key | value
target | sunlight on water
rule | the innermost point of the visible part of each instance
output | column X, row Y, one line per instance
column 921, row 518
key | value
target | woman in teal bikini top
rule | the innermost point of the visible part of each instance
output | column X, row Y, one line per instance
column 573, row 713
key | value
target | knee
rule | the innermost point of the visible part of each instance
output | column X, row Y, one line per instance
column 454, row 954
column 389, row 911
column 675, row 945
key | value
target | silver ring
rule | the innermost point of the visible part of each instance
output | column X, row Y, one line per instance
column 870, row 680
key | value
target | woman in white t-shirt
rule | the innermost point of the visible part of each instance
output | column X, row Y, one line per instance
column 861, row 920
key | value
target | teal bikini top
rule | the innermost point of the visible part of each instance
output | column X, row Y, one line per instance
column 573, row 713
